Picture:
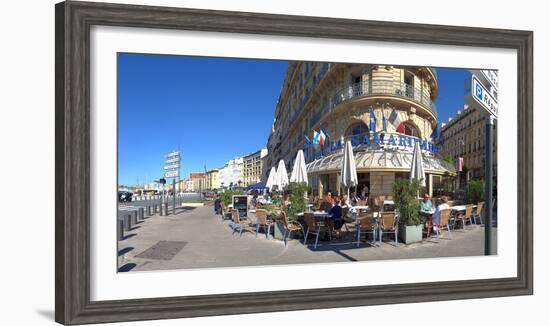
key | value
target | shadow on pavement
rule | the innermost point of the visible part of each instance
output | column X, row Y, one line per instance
column 128, row 236
column 127, row 267
column 125, row 250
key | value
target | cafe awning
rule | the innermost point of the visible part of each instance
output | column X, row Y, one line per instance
column 380, row 159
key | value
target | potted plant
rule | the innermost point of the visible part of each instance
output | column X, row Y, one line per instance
column 405, row 194
column 298, row 204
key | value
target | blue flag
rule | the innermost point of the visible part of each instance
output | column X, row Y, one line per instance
column 372, row 122
column 307, row 142
column 435, row 133
column 324, row 132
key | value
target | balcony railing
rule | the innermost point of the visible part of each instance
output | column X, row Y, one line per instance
column 374, row 87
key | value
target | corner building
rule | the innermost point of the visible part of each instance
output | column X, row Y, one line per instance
column 339, row 98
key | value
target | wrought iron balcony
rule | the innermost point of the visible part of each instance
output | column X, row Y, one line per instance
column 383, row 87
column 372, row 88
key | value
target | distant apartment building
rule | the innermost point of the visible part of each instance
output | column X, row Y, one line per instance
column 231, row 173
column 464, row 136
column 253, row 164
column 213, row 179
column 198, row 180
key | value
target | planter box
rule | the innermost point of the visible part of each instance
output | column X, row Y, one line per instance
column 410, row 233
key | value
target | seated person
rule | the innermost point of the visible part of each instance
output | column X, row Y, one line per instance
column 336, row 212
column 426, row 210
column 426, row 205
column 442, row 205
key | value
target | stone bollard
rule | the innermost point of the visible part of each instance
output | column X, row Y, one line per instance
column 148, row 210
column 127, row 222
column 141, row 213
column 134, row 217
column 166, row 209
column 120, row 230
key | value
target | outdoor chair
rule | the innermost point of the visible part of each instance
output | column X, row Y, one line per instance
column 313, row 227
column 262, row 221
column 444, row 221
column 225, row 212
column 478, row 212
column 289, row 226
column 366, row 224
column 388, row 224
column 466, row 216
column 238, row 223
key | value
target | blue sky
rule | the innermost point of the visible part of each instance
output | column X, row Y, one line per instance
column 212, row 109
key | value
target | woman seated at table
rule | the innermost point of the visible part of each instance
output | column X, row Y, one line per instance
column 426, row 205
column 336, row 221
column 442, row 204
column 327, row 203
column 426, row 210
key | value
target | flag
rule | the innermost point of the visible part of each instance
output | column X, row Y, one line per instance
column 316, row 137
column 460, row 164
column 307, row 142
column 384, row 122
column 435, row 133
column 322, row 137
column 396, row 122
column 372, row 122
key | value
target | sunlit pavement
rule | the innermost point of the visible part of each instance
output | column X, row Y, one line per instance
column 197, row 238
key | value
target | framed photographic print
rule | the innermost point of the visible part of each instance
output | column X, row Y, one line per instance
column 216, row 162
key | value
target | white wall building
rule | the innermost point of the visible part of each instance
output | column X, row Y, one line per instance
column 232, row 172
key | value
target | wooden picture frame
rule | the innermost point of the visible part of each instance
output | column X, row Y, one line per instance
column 72, row 141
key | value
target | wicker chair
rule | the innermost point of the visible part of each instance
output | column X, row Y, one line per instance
column 466, row 216
column 388, row 224
column 238, row 223
column 290, row 226
column 444, row 221
column 313, row 227
column 478, row 212
column 263, row 221
column 366, row 224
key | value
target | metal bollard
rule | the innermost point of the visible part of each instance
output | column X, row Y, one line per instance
column 155, row 208
column 120, row 230
column 148, row 210
column 160, row 210
column 134, row 217
column 141, row 213
column 166, row 209
column 127, row 222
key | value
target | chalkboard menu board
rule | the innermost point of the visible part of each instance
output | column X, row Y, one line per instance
column 241, row 203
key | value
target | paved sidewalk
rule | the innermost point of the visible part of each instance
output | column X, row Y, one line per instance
column 196, row 238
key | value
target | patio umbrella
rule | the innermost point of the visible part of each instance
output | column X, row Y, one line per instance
column 417, row 168
column 299, row 171
column 271, row 178
column 281, row 177
column 349, row 170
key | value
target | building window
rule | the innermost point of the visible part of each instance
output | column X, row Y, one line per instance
column 358, row 129
column 410, row 130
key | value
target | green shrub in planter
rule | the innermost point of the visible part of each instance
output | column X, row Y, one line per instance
column 475, row 192
column 298, row 201
column 227, row 196
column 405, row 194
